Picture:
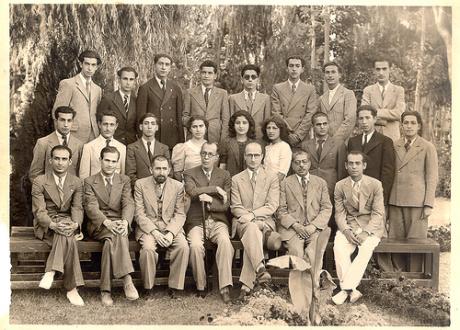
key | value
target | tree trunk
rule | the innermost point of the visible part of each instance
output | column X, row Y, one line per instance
column 313, row 41
column 420, row 64
column 443, row 24
column 327, row 32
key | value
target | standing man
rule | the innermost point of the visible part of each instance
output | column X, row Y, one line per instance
column 123, row 103
column 255, row 103
column 140, row 154
column 208, row 101
column 109, row 206
column 339, row 103
column 254, row 200
column 90, row 163
column 163, row 97
column 58, row 212
column 359, row 214
column 83, row 95
column 160, row 217
column 387, row 98
column 295, row 101
column 412, row 195
column 63, row 119
column 211, row 185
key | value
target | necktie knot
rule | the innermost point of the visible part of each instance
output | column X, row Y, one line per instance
column 407, row 144
column 206, row 95
column 364, row 139
column 125, row 102
column 149, row 151
column 163, row 84
column 108, row 185
column 60, row 182
column 64, row 140
column 320, row 147
column 253, row 177
column 158, row 190
column 304, row 182
column 107, row 142
column 293, row 88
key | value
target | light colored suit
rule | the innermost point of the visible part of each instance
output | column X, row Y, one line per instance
column 389, row 110
column 262, row 201
column 72, row 93
column 90, row 162
column 260, row 109
column 217, row 112
column 341, row 112
column 171, row 219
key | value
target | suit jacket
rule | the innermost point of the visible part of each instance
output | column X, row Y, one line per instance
column 127, row 122
column 369, row 215
column 416, row 174
column 46, row 202
column 196, row 183
column 296, row 109
column 72, row 93
column 263, row 200
column 101, row 206
column 389, row 110
column 380, row 159
column 292, row 205
column 230, row 155
column 42, row 154
column 260, row 110
column 330, row 166
column 172, row 217
column 341, row 112
column 137, row 160
column 90, row 163
column 168, row 109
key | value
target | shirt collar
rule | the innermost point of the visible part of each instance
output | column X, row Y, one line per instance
column 307, row 177
column 359, row 182
column 334, row 90
column 56, row 178
column 203, row 88
column 105, row 177
column 84, row 80
column 103, row 139
column 412, row 140
column 386, row 86
column 144, row 141
column 204, row 171
column 296, row 84
column 323, row 138
column 123, row 94
column 246, row 95
column 369, row 135
column 159, row 81
column 59, row 136
column 250, row 172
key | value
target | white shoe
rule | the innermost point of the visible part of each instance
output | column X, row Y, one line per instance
column 75, row 298
column 47, row 280
column 355, row 295
column 340, row 297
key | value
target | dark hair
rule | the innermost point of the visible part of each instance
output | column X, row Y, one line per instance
column 209, row 64
column 417, row 115
column 89, row 54
column 280, row 123
column 161, row 158
column 298, row 152
column 332, row 63
column 295, row 57
column 64, row 110
column 193, row 118
column 318, row 114
column 250, row 67
column 382, row 59
column 367, row 107
column 147, row 115
column 109, row 150
column 210, row 144
column 158, row 56
column 127, row 69
column 357, row 152
column 251, row 134
column 101, row 114
column 61, row 147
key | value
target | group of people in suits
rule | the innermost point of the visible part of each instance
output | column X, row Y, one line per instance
column 261, row 168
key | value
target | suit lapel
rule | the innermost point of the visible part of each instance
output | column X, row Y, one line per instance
column 310, row 192
column 378, row 95
column 240, row 101
column 99, row 186
column 143, row 153
column 168, row 196
column 258, row 104
column 363, row 194
column 412, row 152
column 117, row 100
column 213, row 98
column 299, row 93
column 311, row 148
column 327, row 145
column 260, row 185
column 348, row 189
column 52, row 190
column 156, row 89
column 117, row 188
column 325, row 100
column 68, row 189
column 338, row 94
column 198, row 96
column 81, row 87
column 168, row 92
column 296, row 189
column 373, row 142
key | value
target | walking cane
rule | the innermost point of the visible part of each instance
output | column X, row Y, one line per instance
column 203, row 209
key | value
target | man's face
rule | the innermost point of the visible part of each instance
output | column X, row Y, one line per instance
column 382, row 71
column 301, row 164
column 295, row 69
column 108, row 126
column 88, row 67
column 355, row 166
column 209, row 156
column 64, row 123
column 321, row 127
column 198, row 129
column 332, row 76
column 250, row 80
column 149, row 127
column 109, row 163
column 410, row 126
column 253, row 156
column 160, row 170
column 366, row 121
column 60, row 161
column 208, row 76
column 163, row 67
column 127, row 81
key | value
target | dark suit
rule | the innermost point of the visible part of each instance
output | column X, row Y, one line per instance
column 127, row 121
column 167, row 108
column 231, row 156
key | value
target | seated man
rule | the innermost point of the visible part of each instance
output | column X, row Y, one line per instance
column 58, row 212
column 110, row 209
column 359, row 215
column 160, row 217
column 254, row 200
column 209, row 184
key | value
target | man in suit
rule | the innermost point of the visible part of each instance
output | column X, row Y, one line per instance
column 387, row 98
column 58, row 212
column 140, row 154
column 339, row 103
column 123, row 103
column 208, row 101
column 160, row 219
column 90, row 163
column 83, row 95
column 254, row 200
column 163, row 97
column 257, row 104
column 211, row 185
column 109, row 206
column 412, row 195
column 63, row 118
column 359, row 215
column 295, row 101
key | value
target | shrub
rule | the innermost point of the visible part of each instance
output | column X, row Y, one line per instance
column 441, row 235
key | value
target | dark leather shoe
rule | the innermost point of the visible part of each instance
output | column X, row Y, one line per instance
column 201, row 293
column 172, row 293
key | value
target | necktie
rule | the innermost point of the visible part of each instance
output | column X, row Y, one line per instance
column 61, row 190
column 383, row 92
column 149, row 151
column 208, row 175
column 107, row 142
column 64, row 140
column 364, row 140
column 125, row 102
column 356, row 193
column 407, row 144
column 304, row 194
column 320, row 147
column 88, row 90
column 159, row 192
column 163, row 85
column 206, row 96
column 304, row 183
column 108, row 185
column 293, row 88
column 253, row 179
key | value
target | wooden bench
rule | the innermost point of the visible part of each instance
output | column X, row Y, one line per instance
column 28, row 257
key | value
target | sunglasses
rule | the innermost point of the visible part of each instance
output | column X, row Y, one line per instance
column 252, row 76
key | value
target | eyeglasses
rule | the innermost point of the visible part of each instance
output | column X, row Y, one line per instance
column 252, row 77
column 207, row 154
